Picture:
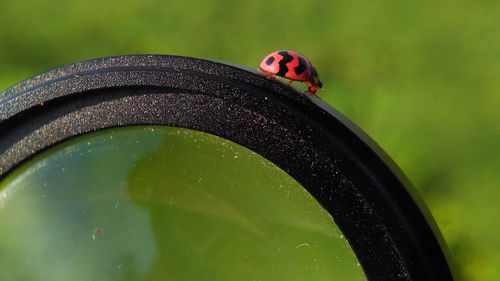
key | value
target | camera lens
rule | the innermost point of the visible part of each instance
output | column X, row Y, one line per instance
column 155, row 167
column 159, row 202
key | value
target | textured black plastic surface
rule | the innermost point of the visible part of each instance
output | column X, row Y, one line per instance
column 366, row 194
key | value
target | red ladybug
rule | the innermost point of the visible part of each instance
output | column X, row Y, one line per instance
column 293, row 66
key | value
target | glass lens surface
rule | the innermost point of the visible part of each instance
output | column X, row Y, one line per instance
column 163, row 203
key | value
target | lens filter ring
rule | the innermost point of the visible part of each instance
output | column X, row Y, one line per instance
column 390, row 230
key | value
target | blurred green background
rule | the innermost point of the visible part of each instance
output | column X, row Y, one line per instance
column 421, row 78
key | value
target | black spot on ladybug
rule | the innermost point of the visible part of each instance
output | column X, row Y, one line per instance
column 270, row 60
column 314, row 73
column 286, row 59
column 301, row 67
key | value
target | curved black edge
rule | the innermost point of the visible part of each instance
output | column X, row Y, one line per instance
column 340, row 166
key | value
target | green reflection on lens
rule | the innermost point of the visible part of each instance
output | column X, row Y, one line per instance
column 163, row 203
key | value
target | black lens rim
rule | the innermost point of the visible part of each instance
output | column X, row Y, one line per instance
column 388, row 226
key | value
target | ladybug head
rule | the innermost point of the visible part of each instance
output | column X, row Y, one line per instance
column 315, row 78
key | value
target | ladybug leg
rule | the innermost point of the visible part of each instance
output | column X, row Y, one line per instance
column 270, row 76
column 312, row 93
column 290, row 82
column 312, row 89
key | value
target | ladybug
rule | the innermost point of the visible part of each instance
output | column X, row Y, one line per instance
column 291, row 65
